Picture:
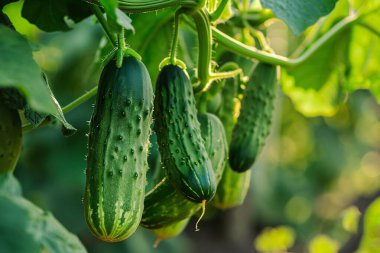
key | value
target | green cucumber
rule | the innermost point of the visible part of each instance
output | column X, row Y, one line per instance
column 179, row 137
column 164, row 205
column 10, row 138
column 155, row 173
column 255, row 118
column 233, row 187
column 213, row 134
column 117, row 150
column 170, row 231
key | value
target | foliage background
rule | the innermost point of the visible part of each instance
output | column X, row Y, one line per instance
column 314, row 178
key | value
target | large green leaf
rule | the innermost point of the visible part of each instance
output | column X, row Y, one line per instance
column 19, row 70
column 315, row 86
column 53, row 15
column 299, row 14
column 24, row 227
column 346, row 63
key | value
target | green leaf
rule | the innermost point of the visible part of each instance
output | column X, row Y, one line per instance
column 370, row 241
column 9, row 184
column 347, row 63
column 53, row 15
column 19, row 70
column 316, row 86
column 300, row 14
column 27, row 228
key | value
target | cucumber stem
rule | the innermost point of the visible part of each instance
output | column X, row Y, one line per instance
column 219, row 11
column 120, row 49
column 103, row 22
column 202, row 214
column 156, row 242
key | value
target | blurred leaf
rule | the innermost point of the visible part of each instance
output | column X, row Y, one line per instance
column 275, row 239
column 19, row 70
column 315, row 86
column 9, row 185
column 323, row 244
column 52, row 15
column 350, row 219
column 37, row 230
column 300, row 14
column 370, row 241
column 347, row 63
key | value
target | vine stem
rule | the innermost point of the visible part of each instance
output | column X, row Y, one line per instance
column 77, row 102
column 103, row 22
column 219, row 11
column 173, row 50
column 240, row 48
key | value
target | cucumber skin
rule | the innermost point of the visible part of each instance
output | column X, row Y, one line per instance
column 164, row 205
column 172, row 230
column 213, row 134
column 10, row 138
column 117, row 150
column 184, row 156
column 252, row 128
column 233, row 187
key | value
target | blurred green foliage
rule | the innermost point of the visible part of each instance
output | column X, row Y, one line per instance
column 305, row 185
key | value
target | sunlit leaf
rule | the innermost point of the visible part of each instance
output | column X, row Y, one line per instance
column 323, row 244
column 300, row 14
column 275, row 239
column 371, row 236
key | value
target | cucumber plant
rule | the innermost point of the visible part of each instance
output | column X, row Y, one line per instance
column 193, row 145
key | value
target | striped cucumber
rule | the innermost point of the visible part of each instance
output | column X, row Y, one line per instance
column 233, row 187
column 252, row 128
column 10, row 138
column 180, row 143
column 117, row 150
column 164, row 205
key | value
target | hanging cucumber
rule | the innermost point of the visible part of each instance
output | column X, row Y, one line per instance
column 117, row 150
column 233, row 187
column 164, row 205
column 255, row 118
column 179, row 138
column 10, row 138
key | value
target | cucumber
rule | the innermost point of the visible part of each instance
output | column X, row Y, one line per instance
column 213, row 134
column 117, row 150
column 155, row 173
column 10, row 138
column 252, row 128
column 170, row 231
column 184, row 156
column 233, row 187
column 164, row 205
